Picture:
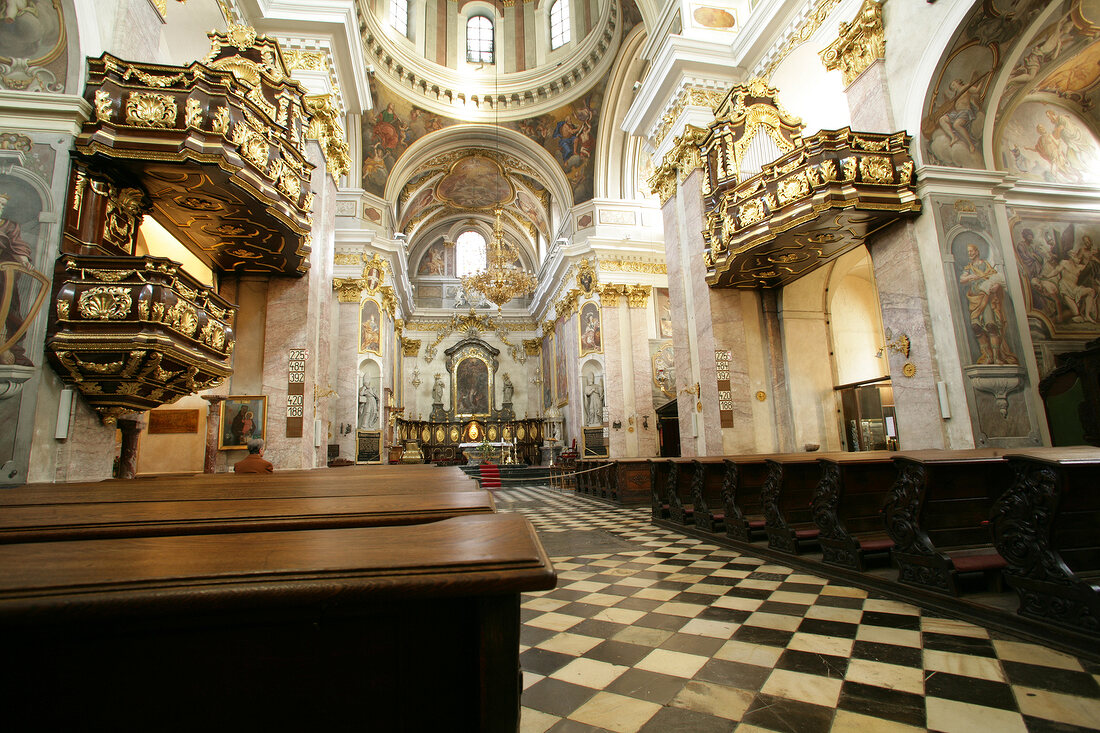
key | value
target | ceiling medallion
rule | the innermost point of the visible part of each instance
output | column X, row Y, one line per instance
column 501, row 280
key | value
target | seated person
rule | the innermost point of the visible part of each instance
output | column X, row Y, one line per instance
column 254, row 462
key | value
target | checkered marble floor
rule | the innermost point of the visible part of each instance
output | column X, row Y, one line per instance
column 677, row 634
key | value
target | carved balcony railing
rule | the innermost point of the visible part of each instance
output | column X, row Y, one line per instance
column 810, row 206
column 134, row 333
column 778, row 205
column 214, row 151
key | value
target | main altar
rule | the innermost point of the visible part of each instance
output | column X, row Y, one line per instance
column 442, row 441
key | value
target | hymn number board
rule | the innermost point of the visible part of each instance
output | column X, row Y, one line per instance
column 722, row 358
column 295, row 392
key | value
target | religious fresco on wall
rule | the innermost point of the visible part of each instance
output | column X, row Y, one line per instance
column 1044, row 142
column 370, row 328
column 33, row 46
column 1077, row 79
column 591, row 336
column 1059, row 266
column 533, row 210
column 957, row 102
column 547, row 371
column 569, row 134
column 984, row 291
column 423, row 200
column 388, row 130
column 561, row 364
column 714, row 18
column 20, row 207
column 438, row 260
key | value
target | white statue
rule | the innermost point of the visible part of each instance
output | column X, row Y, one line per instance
column 509, row 388
column 368, row 407
column 593, row 401
column 437, row 390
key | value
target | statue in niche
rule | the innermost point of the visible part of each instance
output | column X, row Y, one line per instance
column 509, row 389
column 593, row 401
column 368, row 407
column 437, row 390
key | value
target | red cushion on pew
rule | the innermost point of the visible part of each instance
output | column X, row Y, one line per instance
column 807, row 534
column 756, row 524
column 876, row 545
column 975, row 563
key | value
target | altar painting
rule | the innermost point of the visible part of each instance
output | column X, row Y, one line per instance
column 471, row 381
column 561, row 364
column 370, row 328
column 547, row 371
column 591, row 337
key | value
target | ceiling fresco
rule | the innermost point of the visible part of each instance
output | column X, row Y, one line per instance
column 1052, row 69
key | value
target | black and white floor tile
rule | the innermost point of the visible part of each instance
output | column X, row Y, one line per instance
column 649, row 630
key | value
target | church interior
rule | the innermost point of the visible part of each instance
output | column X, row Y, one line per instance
column 699, row 364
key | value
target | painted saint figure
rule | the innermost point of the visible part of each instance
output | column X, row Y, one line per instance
column 14, row 249
column 986, row 298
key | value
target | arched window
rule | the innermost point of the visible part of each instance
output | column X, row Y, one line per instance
column 479, row 40
column 469, row 252
column 399, row 16
column 559, row 24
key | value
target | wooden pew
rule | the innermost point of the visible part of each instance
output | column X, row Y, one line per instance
column 660, row 469
column 706, row 493
column 1047, row 528
column 400, row 628
column 743, row 480
column 54, row 522
column 785, row 500
column 681, row 477
column 350, row 481
column 847, row 507
column 629, row 481
column 937, row 515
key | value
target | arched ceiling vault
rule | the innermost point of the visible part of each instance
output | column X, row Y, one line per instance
column 464, row 172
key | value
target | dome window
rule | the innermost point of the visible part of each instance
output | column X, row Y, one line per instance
column 469, row 252
column 559, row 24
column 399, row 16
column 479, row 40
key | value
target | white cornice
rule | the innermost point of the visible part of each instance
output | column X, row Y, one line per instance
column 680, row 62
column 331, row 23
column 42, row 112
column 947, row 181
column 488, row 95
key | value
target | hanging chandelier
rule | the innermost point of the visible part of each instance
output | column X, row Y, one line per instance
column 501, row 280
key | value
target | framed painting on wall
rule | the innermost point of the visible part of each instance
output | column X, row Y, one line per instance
column 370, row 328
column 663, row 311
column 591, row 339
column 561, row 365
column 244, row 417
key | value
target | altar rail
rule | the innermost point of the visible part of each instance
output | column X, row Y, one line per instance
column 439, row 441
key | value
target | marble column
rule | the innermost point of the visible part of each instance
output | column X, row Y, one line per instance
column 611, row 311
column 127, row 458
column 899, row 276
column 347, row 372
column 645, row 419
column 213, row 426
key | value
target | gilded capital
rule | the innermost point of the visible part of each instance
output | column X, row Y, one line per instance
column 678, row 163
column 637, row 296
column 532, row 347
column 325, row 127
column 410, row 347
column 860, row 43
column 610, row 295
column 349, row 289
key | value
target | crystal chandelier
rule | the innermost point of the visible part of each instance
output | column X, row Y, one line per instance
column 501, row 280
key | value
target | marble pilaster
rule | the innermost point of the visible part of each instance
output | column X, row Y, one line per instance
column 128, row 451
column 901, row 285
column 643, row 389
column 614, row 368
column 347, row 377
